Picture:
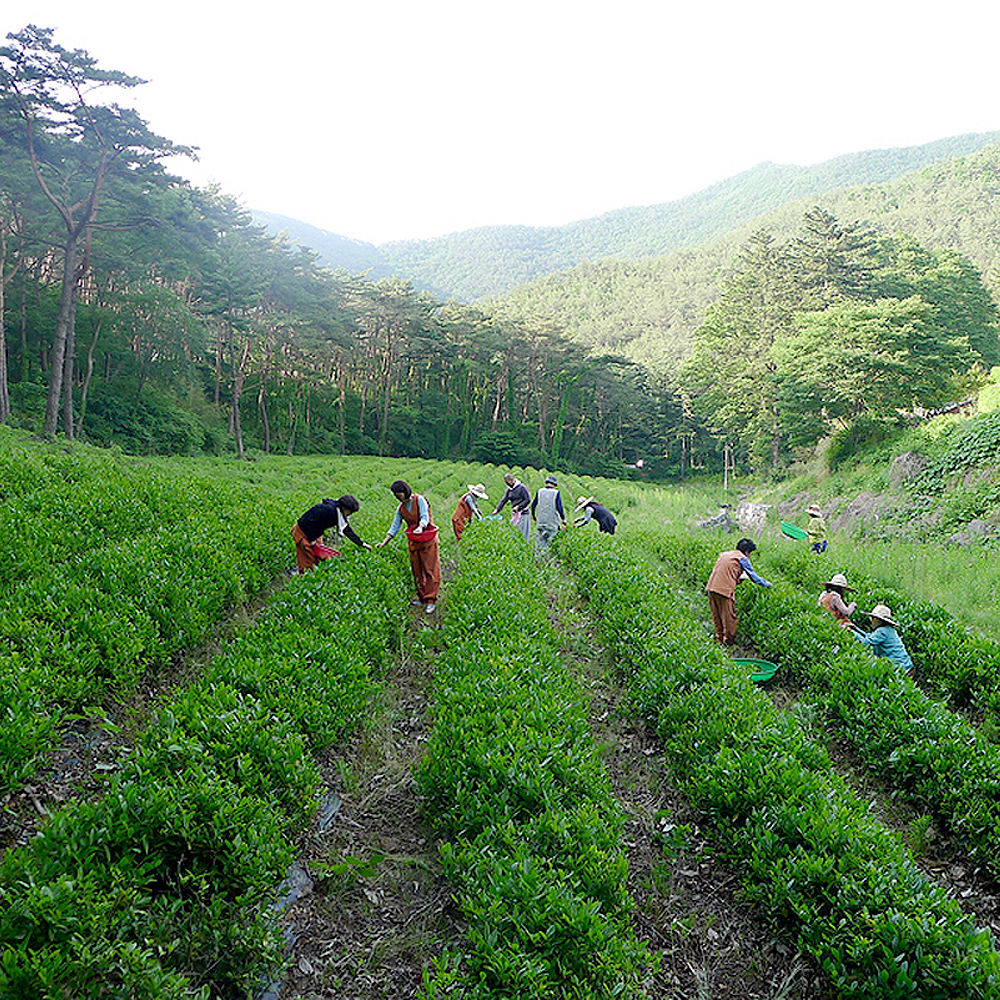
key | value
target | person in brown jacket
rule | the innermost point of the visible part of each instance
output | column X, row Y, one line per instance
column 729, row 569
column 833, row 599
column 468, row 509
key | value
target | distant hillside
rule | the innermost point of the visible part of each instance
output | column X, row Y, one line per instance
column 488, row 262
column 648, row 309
column 333, row 250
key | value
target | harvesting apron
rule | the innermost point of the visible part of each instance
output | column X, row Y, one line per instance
column 461, row 518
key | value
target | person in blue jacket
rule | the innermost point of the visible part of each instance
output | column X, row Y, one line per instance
column 884, row 640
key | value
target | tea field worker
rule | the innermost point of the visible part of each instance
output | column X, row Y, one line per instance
column 425, row 561
column 730, row 567
column 592, row 509
column 547, row 510
column 884, row 640
column 832, row 599
column 468, row 509
column 816, row 528
column 309, row 530
column 520, row 503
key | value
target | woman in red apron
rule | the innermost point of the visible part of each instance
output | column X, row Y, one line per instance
column 421, row 534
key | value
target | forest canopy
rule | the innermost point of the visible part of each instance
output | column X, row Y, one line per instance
column 140, row 311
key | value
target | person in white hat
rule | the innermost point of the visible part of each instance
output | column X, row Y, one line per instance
column 592, row 509
column 884, row 640
column 832, row 599
column 816, row 528
column 467, row 508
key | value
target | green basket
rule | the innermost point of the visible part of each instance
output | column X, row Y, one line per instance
column 762, row 670
column 793, row 531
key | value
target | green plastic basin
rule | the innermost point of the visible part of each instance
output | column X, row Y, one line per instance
column 793, row 531
column 761, row 670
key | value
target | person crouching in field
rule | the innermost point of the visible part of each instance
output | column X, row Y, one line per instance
column 309, row 530
column 468, row 509
column 833, row 599
column 729, row 569
column 884, row 640
column 421, row 535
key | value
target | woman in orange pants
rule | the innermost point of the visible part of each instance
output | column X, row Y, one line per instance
column 421, row 534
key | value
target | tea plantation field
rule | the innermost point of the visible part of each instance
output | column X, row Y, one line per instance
column 172, row 578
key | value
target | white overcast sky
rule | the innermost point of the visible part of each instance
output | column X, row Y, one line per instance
column 384, row 120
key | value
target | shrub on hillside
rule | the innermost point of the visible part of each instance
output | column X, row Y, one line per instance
column 145, row 426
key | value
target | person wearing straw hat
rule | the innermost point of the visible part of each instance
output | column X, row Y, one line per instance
column 884, row 640
column 816, row 528
column 730, row 567
column 468, row 509
column 547, row 510
column 592, row 509
column 309, row 530
column 520, row 503
column 833, row 600
column 425, row 561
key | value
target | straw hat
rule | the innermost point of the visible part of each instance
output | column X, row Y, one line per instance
column 839, row 580
column 883, row 614
column 478, row 490
column 583, row 501
column 814, row 510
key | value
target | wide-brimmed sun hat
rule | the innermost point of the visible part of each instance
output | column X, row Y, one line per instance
column 478, row 490
column 838, row 580
column 550, row 481
column 814, row 510
column 583, row 501
column 883, row 614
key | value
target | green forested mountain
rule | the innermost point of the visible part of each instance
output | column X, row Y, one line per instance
column 490, row 261
column 649, row 309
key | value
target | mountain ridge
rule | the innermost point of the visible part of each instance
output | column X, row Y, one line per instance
column 490, row 261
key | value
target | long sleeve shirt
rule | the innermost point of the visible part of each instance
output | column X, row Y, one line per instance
column 547, row 507
column 726, row 573
column 318, row 520
column 422, row 508
column 470, row 500
column 606, row 521
column 816, row 529
column 519, row 497
column 885, row 641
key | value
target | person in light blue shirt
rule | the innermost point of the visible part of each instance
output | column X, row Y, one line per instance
column 884, row 640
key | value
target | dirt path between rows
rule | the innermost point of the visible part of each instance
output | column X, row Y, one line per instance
column 374, row 910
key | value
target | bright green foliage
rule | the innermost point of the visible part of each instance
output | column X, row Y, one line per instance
column 810, row 852
column 163, row 884
column 515, row 786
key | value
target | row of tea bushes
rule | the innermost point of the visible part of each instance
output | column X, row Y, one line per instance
column 162, row 888
column 83, row 628
column 532, row 831
column 961, row 665
column 931, row 755
column 811, row 854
